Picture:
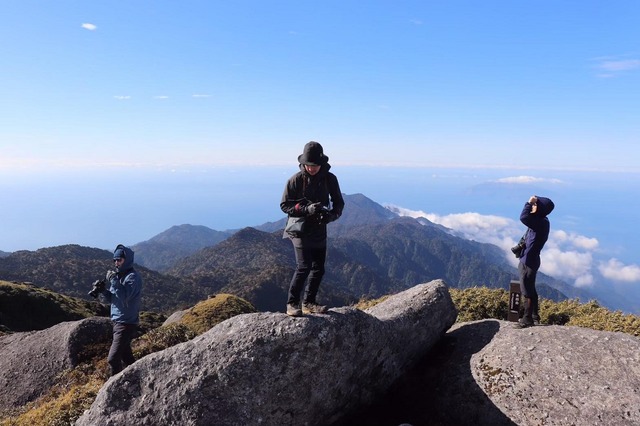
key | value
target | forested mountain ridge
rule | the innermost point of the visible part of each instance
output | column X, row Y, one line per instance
column 375, row 253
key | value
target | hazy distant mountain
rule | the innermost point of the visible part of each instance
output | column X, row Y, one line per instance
column 258, row 267
column 368, row 261
column 177, row 242
column 372, row 252
column 4, row 253
column 358, row 210
column 163, row 251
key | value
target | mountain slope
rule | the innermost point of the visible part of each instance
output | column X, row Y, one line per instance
column 177, row 242
column 71, row 269
column 25, row 307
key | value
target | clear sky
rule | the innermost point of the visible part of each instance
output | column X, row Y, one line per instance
column 122, row 118
column 546, row 83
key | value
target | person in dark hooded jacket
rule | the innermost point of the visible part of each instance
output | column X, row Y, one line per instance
column 534, row 217
column 312, row 193
column 123, row 291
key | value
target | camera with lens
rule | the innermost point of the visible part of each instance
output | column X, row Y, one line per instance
column 98, row 286
column 518, row 249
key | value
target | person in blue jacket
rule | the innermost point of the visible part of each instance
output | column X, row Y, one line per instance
column 123, row 291
column 534, row 217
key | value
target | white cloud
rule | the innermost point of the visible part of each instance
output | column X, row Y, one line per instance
column 526, row 180
column 617, row 271
column 89, row 27
column 567, row 256
column 122, row 97
column 201, row 96
column 498, row 230
column 617, row 66
column 614, row 66
column 568, row 265
column 161, row 97
column 574, row 240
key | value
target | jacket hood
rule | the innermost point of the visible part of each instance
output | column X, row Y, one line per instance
column 545, row 206
column 127, row 253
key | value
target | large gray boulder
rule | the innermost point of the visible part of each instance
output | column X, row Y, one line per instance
column 31, row 361
column 271, row 369
column 491, row 373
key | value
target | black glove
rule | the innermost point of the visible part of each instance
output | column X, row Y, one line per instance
column 314, row 208
column 110, row 274
column 328, row 217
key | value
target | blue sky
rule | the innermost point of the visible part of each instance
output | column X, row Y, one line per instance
column 406, row 83
column 121, row 119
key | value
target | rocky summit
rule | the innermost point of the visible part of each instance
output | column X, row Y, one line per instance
column 271, row 369
column 31, row 361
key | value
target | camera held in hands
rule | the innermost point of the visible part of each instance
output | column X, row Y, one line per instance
column 98, row 286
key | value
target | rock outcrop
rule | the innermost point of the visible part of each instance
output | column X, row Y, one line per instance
column 31, row 361
column 490, row 373
column 268, row 368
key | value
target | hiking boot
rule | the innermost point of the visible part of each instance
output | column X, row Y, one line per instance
column 525, row 322
column 293, row 310
column 536, row 320
column 313, row 308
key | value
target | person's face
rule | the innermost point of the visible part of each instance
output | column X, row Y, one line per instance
column 118, row 261
column 312, row 170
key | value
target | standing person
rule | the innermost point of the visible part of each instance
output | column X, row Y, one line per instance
column 534, row 217
column 312, row 193
column 123, row 291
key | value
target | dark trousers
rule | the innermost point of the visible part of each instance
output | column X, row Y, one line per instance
column 120, row 354
column 528, row 289
column 309, row 265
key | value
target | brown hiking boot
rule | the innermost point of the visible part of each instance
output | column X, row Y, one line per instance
column 294, row 311
column 313, row 308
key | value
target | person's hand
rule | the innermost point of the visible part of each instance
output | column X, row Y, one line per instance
column 110, row 274
column 314, row 208
column 533, row 200
column 328, row 217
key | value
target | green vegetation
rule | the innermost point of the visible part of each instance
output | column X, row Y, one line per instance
column 25, row 307
column 214, row 310
column 478, row 303
column 194, row 322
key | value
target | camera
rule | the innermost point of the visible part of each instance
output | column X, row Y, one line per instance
column 518, row 249
column 98, row 286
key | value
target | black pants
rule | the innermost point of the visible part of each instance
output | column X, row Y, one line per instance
column 528, row 287
column 309, row 264
column 120, row 354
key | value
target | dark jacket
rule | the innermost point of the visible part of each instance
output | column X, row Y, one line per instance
column 538, row 231
column 303, row 189
column 124, row 291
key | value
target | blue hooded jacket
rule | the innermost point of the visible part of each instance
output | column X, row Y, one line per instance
column 124, row 291
column 538, row 231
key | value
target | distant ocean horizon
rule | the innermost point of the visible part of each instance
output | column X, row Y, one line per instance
column 596, row 244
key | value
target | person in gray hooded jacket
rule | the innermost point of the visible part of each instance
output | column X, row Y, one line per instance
column 123, row 291
column 534, row 217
